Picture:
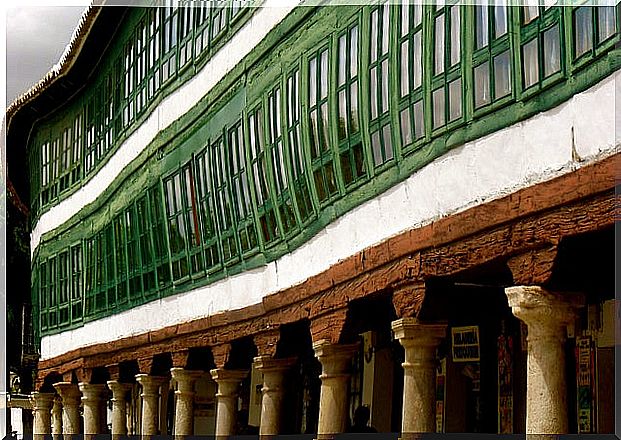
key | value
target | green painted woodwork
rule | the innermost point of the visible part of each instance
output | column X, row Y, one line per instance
column 327, row 112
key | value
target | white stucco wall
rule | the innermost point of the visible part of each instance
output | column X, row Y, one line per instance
column 524, row 154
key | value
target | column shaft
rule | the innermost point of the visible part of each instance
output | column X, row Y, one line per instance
column 71, row 397
column 273, row 393
column 184, row 402
column 150, row 402
column 335, row 361
column 92, row 402
column 546, row 315
column 226, row 400
column 119, row 407
column 57, row 418
column 419, row 372
column 41, row 407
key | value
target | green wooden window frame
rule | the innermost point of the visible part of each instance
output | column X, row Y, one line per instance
column 297, row 162
column 144, row 231
column 207, row 212
column 160, row 237
column 350, row 149
column 595, row 29
column 168, row 60
column 202, row 27
column 186, row 20
column 380, row 132
column 412, row 72
column 240, row 189
column 492, row 57
column 224, row 204
column 447, row 81
column 258, row 163
column 77, row 282
column 115, row 293
column 319, row 123
column 542, row 48
column 43, row 295
column 275, row 151
column 219, row 19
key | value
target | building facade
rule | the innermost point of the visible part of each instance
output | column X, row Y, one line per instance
column 256, row 217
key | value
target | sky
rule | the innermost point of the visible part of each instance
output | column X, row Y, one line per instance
column 36, row 37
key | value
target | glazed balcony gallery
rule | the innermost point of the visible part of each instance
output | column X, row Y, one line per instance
column 257, row 217
column 357, row 100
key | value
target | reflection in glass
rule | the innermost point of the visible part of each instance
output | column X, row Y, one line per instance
column 551, row 51
column 530, row 65
column 481, row 26
column 502, row 75
column 583, row 28
column 419, row 121
column 439, row 45
column 406, row 129
column 530, row 13
column 500, row 20
column 405, row 68
column 481, row 85
column 455, row 35
column 606, row 22
column 455, row 99
column 417, row 60
column 438, row 107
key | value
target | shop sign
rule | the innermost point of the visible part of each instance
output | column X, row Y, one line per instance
column 585, row 375
column 466, row 344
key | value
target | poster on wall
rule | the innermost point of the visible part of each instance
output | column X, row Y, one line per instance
column 465, row 343
column 505, row 384
column 585, row 373
column 440, row 395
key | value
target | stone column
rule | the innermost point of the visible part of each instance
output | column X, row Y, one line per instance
column 71, row 408
column 546, row 314
column 184, row 402
column 273, row 393
column 119, row 407
column 226, row 400
column 419, row 373
column 150, row 402
column 57, row 418
column 92, row 402
column 335, row 362
column 41, row 408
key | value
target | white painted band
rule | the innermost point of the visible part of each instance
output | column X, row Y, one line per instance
column 578, row 132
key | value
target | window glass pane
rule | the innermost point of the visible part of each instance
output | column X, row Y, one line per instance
column 342, row 128
column 324, row 74
column 455, row 99
column 405, row 19
column 439, row 45
column 606, row 22
column 342, row 59
column 405, row 68
column 419, row 122
column 353, row 116
column 377, row 148
column 583, row 27
column 481, row 26
column 312, row 78
column 530, row 13
column 385, row 34
column 551, row 51
column 417, row 60
column 438, row 107
column 530, row 64
column 373, row 92
column 481, row 85
column 417, row 12
column 353, row 48
column 406, row 129
column 500, row 20
column 373, row 44
column 502, row 75
column 386, row 134
column 385, row 86
column 455, row 35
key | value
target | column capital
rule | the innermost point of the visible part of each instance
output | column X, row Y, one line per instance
column 408, row 296
column 268, row 363
column 92, row 391
column 42, row 401
column 69, row 392
column 540, row 308
column 150, row 384
column 118, row 387
column 412, row 332
column 334, row 358
column 221, row 375
column 185, row 379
